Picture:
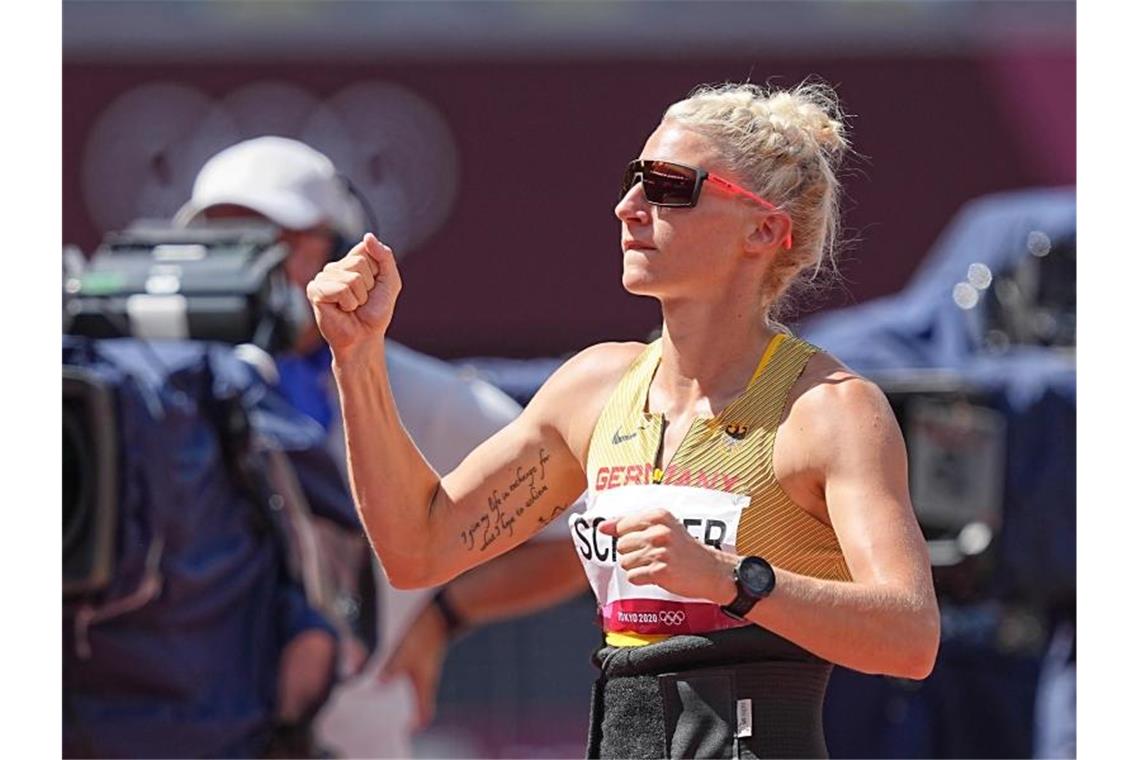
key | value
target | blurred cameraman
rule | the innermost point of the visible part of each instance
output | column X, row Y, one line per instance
column 319, row 215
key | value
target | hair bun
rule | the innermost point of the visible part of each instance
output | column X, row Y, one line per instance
column 807, row 116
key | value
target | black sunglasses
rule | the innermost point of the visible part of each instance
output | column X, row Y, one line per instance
column 674, row 185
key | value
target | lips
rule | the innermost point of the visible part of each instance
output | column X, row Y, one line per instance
column 635, row 245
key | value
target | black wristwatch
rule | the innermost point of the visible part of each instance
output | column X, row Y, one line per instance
column 755, row 579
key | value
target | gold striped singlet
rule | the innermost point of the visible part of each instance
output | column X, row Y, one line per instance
column 731, row 452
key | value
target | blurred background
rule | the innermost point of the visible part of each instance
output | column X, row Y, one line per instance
column 489, row 139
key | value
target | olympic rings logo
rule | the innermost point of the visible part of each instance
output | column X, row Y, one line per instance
column 404, row 163
column 672, row 617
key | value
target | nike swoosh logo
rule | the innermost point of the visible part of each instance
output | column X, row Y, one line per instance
column 619, row 438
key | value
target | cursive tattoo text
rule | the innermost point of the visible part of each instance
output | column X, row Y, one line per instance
column 505, row 506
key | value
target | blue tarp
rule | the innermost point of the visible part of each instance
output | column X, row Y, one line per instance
column 921, row 327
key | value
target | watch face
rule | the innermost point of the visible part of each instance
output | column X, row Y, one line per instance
column 756, row 576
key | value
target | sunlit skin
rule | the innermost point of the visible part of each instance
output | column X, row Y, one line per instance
column 838, row 454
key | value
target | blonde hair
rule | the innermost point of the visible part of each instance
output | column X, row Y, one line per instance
column 786, row 145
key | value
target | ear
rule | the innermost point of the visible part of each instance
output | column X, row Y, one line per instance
column 771, row 232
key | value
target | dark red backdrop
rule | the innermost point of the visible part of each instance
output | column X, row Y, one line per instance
column 528, row 262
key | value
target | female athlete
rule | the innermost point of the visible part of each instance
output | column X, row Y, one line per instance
column 748, row 522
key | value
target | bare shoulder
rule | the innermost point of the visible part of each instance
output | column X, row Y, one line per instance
column 573, row 397
column 833, row 406
column 602, row 360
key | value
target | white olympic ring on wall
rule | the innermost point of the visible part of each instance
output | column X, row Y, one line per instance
column 672, row 617
column 146, row 146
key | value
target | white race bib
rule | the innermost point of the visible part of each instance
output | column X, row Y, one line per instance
column 710, row 516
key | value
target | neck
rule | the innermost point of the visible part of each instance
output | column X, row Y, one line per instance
column 709, row 352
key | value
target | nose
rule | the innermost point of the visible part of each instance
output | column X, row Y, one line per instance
column 633, row 207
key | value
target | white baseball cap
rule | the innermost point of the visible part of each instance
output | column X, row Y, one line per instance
column 286, row 181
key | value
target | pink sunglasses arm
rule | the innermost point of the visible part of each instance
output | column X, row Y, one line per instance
column 733, row 187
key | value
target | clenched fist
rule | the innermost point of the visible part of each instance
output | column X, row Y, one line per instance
column 353, row 298
column 654, row 548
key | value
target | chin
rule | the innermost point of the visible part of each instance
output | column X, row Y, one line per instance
column 635, row 279
column 637, row 276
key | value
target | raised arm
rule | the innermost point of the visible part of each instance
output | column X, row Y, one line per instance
column 426, row 529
